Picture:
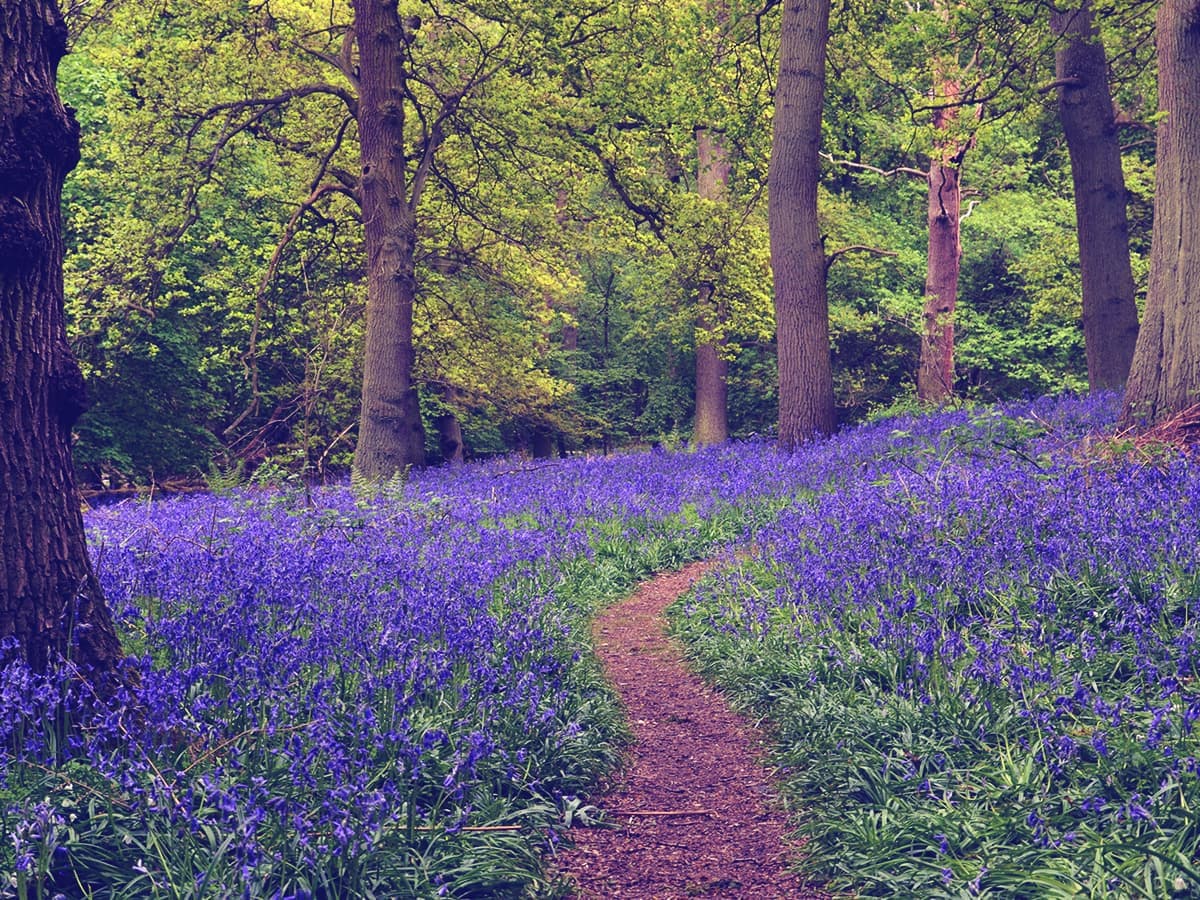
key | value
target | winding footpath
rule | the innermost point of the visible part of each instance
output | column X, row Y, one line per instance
column 690, row 815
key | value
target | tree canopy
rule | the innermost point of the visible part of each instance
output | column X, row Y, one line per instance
column 564, row 253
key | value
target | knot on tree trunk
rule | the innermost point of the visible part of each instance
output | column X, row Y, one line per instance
column 40, row 138
column 68, row 392
column 22, row 242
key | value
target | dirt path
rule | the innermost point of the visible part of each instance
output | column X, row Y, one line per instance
column 690, row 809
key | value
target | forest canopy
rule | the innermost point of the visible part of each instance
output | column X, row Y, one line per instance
column 587, row 208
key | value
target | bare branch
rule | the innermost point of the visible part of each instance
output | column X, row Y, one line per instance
column 250, row 357
column 1073, row 81
column 234, row 107
column 886, row 173
column 343, row 62
column 855, row 248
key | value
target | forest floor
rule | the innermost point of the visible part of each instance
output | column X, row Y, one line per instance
column 691, row 814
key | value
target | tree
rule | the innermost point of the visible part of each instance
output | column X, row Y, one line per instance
column 1164, row 377
column 797, row 255
column 712, row 368
column 1085, row 106
column 390, row 434
column 711, row 424
column 935, row 375
column 51, row 602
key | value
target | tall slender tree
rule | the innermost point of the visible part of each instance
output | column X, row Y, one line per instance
column 1164, row 377
column 712, row 368
column 50, row 600
column 935, row 374
column 390, row 433
column 797, row 255
column 1085, row 107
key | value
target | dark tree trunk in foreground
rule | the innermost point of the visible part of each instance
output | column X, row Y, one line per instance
column 1085, row 106
column 390, row 434
column 50, row 600
column 935, row 377
column 712, row 369
column 1165, row 376
column 797, row 255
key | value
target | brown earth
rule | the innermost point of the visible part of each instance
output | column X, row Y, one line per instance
column 691, row 813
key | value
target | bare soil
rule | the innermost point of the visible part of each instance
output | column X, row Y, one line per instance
column 691, row 814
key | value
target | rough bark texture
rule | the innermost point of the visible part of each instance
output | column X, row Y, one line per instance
column 50, row 600
column 797, row 256
column 1085, row 106
column 712, row 369
column 390, row 434
column 935, row 377
column 1165, row 376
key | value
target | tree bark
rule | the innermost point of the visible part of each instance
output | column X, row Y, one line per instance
column 390, row 435
column 935, row 377
column 51, row 602
column 1165, row 375
column 449, row 430
column 1085, row 106
column 797, row 256
column 712, row 369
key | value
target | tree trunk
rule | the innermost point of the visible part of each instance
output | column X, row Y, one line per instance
column 935, row 377
column 712, row 369
column 1085, row 106
column 449, row 429
column 570, row 306
column 51, row 602
column 390, row 434
column 1165, row 375
column 797, row 256
column 542, row 442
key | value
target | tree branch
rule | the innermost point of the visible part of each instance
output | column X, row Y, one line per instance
column 1073, row 81
column 855, row 248
column 234, row 107
column 250, row 357
column 886, row 173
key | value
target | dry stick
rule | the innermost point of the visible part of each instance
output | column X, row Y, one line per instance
column 661, row 813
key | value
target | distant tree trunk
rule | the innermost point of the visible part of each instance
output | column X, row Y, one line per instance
column 570, row 306
column 797, row 256
column 449, row 429
column 542, row 442
column 712, row 369
column 390, row 434
column 1085, row 106
column 1165, row 375
column 935, row 377
column 50, row 600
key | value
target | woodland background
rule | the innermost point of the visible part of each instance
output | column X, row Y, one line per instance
column 569, row 260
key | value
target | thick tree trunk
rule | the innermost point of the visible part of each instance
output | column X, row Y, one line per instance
column 712, row 391
column 1085, row 106
column 935, row 377
column 797, row 256
column 50, row 600
column 390, row 434
column 1165, row 375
